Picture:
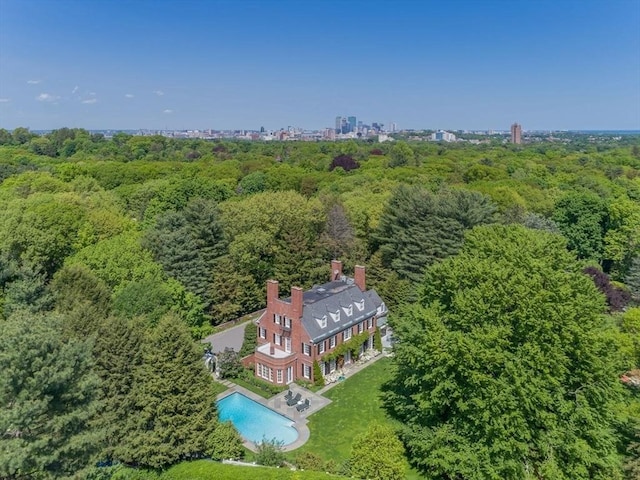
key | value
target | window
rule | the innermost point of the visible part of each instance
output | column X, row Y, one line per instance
column 348, row 310
column 360, row 327
column 263, row 332
column 287, row 344
column 279, row 376
column 335, row 316
column 306, row 371
column 264, row 372
column 370, row 323
column 287, row 322
column 277, row 339
column 332, row 342
column 322, row 322
column 321, row 347
column 360, row 305
column 289, row 374
column 346, row 335
column 306, row 349
column 277, row 318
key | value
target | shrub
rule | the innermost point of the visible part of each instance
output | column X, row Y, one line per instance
column 377, row 340
column 270, row 453
column 250, row 340
column 310, row 461
column 225, row 443
column 318, row 379
column 229, row 363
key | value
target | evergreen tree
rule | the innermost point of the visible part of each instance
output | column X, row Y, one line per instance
column 173, row 400
column 47, row 399
column 118, row 354
column 632, row 279
column 418, row 228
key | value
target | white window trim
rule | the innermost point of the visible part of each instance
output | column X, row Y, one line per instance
column 321, row 347
column 332, row 342
column 287, row 344
column 346, row 335
column 306, row 349
column 277, row 318
column 263, row 332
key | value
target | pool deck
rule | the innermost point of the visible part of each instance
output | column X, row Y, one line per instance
column 278, row 404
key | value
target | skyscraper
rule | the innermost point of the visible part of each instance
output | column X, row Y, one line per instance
column 516, row 133
column 339, row 124
column 352, row 124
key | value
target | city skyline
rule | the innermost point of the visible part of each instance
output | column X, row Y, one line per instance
column 238, row 65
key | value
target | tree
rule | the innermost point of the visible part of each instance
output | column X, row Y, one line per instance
column 229, row 363
column 174, row 412
column 581, row 217
column 401, row 155
column 344, row 161
column 225, row 443
column 616, row 297
column 377, row 454
column 118, row 354
column 47, row 399
column 418, row 228
column 632, row 279
column 504, row 367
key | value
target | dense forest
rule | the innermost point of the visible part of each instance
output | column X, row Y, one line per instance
column 512, row 273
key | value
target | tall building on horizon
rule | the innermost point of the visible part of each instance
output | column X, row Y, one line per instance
column 516, row 133
column 353, row 125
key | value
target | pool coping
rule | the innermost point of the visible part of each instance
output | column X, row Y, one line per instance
column 278, row 404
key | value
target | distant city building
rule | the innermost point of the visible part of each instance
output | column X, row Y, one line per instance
column 339, row 124
column 516, row 133
column 442, row 136
column 352, row 124
column 393, row 127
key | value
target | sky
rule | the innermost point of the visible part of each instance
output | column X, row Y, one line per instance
column 200, row 64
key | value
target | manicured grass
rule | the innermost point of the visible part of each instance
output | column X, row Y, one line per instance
column 218, row 388
column 207, row 470
column 355, row 403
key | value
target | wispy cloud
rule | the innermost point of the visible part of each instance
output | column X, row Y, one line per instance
column 90, row 100
column 47, row 97
column 168, row 110
column 75, row 89
column 33, row 82
column 129, row 95
column 5, row 100
column 158, row 92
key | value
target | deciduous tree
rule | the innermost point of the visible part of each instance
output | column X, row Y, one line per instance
column 502, row 368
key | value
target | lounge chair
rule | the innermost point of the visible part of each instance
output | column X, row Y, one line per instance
column 303, row 406
column 292, row 401
column 288, row 395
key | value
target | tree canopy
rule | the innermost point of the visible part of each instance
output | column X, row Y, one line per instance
column 502, row 367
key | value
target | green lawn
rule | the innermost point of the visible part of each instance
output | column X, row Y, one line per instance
column 218, row 388
column 355, row 403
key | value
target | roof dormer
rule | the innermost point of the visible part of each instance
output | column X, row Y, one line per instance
column 348, row 311
column 360, row 305
column 335, row 316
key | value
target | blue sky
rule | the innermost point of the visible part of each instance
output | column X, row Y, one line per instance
column 548, row 64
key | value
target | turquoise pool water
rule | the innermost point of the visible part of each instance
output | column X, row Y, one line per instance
column 256, row 422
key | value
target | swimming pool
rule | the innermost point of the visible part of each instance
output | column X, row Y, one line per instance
column 256, row 422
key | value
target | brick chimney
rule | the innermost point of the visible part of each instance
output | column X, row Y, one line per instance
column 336, row 270
column 296, row 301
column 359, row 277
column 272, row 291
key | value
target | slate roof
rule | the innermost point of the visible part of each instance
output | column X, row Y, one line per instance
column 340, row 295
